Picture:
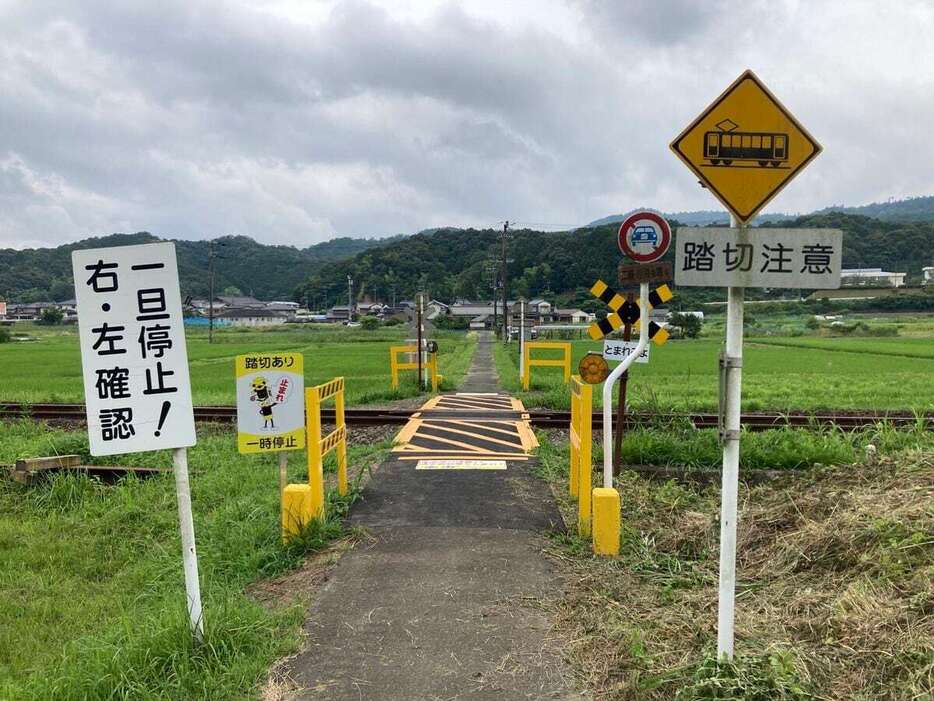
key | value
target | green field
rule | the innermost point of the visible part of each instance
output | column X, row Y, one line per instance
column 92, row 596
column 779, row 373
column 48, row 368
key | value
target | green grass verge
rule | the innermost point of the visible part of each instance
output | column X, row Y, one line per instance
column 835, row 583
column 48, row 369
column 779, row 374
column 92, row 595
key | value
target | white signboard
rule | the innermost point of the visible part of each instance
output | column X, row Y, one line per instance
column 620, row 350
column 270, row 402
column 133, row 351
column 760, row 257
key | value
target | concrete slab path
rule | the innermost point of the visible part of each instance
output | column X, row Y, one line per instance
column 444, row 600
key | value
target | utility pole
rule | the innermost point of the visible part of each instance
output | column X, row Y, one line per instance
column 349, row 298
column 505, row 286
column 211, row 284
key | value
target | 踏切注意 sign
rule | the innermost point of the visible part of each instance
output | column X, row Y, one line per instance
column 270, row 402
column 760, row 257
column 133, row 352
column 745, row 147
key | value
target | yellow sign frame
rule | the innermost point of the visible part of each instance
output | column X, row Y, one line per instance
column 745, row 189
column 529, row 362
column 395, row 365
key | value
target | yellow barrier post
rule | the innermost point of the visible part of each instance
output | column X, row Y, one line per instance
column 528, row 361
column 395, row 365
column 318, row 447
column 581, row 447
column 297, row 510
column 606, row 521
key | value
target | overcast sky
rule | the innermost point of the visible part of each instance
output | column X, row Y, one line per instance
column 294, row 121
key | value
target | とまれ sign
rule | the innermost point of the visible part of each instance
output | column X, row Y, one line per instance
column 270, row 402
column 761, row 257
column 620, row 350
column 133, row 352
column 745, row 147
column 644, row 236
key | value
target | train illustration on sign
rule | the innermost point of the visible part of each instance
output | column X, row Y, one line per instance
column 749, row 147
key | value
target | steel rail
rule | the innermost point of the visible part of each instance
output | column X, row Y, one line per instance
column 754, row 421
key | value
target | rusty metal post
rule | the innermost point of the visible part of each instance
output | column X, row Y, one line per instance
column 621, row 409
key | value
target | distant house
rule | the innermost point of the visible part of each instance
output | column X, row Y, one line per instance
column 927, row 275
column 870, row 277
column 572, row 316
column 471, row 309
column 238, row 302
column 251, row 317
column 339, row 313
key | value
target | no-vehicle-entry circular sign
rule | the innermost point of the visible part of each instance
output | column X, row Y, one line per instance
column 644, row 236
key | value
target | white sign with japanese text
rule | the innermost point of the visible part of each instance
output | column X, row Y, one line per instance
column 759, row 257
column 620, row 350
column 133, row 350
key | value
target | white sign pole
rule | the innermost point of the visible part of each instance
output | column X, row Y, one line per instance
column 521, row 338
column 611, row 380
column 730, row 479
column 189, row 554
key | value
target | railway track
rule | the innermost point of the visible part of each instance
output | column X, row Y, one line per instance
column 758, row 421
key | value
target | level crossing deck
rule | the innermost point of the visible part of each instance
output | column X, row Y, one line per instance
column 468, row 426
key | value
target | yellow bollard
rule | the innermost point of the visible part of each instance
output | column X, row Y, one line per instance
column 606, row 521
column 297, row 509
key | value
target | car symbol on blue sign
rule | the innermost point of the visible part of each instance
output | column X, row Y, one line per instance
column 644, row 234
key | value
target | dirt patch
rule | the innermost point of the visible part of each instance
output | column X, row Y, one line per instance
column 300, row 585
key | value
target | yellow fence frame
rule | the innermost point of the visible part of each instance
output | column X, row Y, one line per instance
column 318, row 447
column 395, row 365
column 528, row 361
column 581, row 451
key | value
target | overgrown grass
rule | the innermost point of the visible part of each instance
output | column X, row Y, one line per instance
column 835, row 585
column 779, row 374
column 92, row 595
column 48, row 369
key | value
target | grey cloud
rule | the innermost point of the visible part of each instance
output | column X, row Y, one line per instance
column 200, row 118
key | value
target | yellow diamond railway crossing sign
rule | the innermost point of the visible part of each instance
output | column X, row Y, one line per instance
column 745, row 147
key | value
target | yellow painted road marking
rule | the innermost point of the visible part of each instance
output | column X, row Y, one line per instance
column 409, row 430
column 485, row 439
column 437, row 439
column 514, row 457
column 485, row 425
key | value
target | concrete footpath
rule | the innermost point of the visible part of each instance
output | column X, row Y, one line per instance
column 443, row 600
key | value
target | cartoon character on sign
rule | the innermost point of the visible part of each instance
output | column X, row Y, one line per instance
column 264, row 396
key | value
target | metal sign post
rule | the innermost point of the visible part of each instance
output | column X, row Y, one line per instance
column 608, row 388
column 418, row 342
column 522, row 338
column 189, row 552
column 730, row 478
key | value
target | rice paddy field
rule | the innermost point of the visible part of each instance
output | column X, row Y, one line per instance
column 780, row 373
column 47, row 366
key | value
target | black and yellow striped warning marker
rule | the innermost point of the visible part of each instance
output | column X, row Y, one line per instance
column 624, row 312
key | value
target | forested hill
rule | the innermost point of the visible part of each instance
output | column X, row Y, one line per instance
column 448, row 263
column 268, row 272
column 455, row 263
